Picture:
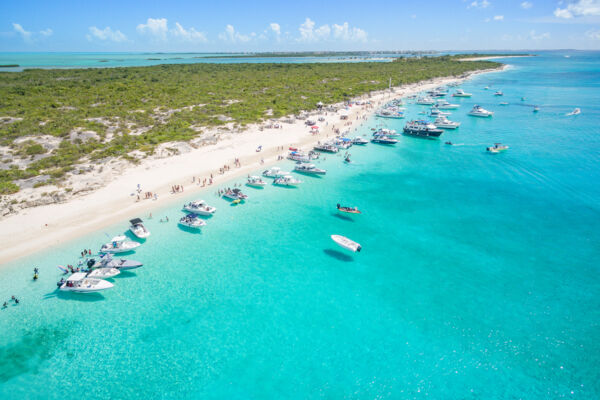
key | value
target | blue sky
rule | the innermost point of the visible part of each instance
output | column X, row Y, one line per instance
column 198, row 26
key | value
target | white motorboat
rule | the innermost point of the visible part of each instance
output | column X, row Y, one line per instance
column 499, row 93
column 576, row 111
column 138, row 229
column 436, row 112
column 103, row 273
column 327, row 148
column 192, row 221
column 536, row 109
column 298, row 156
column 309, row 169
column 256, row 181
column 343, row 143
column 386, row 132
column 425, row 101
column 461, row 93
column 359, row 140
column 199, row 207
column 445, row 105
column 119, row 244
column 445, row 123
column 107, row 261
column 235, row 194
column 80, row 283
column 479, row 111
column 275, row 172
column 346, row 243
column 497, row 148
column 390, row 113
column 287, row 180
column 382, row 139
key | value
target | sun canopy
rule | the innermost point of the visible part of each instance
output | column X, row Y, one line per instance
column 118, row 239
column 135, row 221
column 77, row 276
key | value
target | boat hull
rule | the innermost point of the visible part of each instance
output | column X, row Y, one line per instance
column 423, row 134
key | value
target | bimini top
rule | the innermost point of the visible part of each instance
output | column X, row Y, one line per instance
column 77, row 276
column 118, row 239
column 135, row 221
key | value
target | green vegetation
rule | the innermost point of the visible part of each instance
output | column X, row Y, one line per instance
column 114, row 101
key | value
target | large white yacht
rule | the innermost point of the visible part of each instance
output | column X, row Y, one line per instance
column 192, row 221
column 309, row 169
column 298, row 156
column 199, row 207
column 138, row 229
column 425, row 101
column 445, row 105
column 445, row 123
column 422, row 128
column 119, row 244
column 287, row 180
column 479, row 111
column 275, row 172
column 461, row 93
column 80, row 283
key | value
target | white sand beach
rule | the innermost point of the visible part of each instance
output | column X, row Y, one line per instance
column 37, row 228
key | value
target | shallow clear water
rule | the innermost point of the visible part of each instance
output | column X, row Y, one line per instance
column 478, row 276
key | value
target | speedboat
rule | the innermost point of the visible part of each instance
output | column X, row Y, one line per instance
column 461, row 93
column 199, row 207
column 235, row 194
column 497, row 148
column 425, row 101
column 298, row 156
column 119, row 244
column 445, row 123
column 309, row 169
column 382, row 139
column 349, row 210
column 385, row 132
column 422, row 128
column 435, row 112
column 576, row 111
column 444, row 105
column 256, row 181
column 103, row 273
column 536, row 109
column 192, row 221
column 504, row 103
column 327, row 148
column 359, row 140
column 287, row 180
column 479, row 111
column 80, row 283
column 107, row 261
column 274, row 172
column 138, row 229
column 499, row 93
column 346, row 243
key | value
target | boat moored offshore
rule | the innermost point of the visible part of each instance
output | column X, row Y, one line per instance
column 138, row 229
column 479, row 111
column 80, row 283
column 199, row 207
column 445, row 123
column 192, row 221
column 461, row 93
column 256, row 181
column 274, row 172
column 309, row 169
column 119, row 244
column 287, row 180
column 422, row 128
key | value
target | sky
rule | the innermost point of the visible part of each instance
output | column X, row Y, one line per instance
column 306, row 25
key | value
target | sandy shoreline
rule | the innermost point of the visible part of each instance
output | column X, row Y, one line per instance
column 36, row 229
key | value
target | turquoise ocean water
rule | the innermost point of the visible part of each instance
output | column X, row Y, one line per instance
column 479, row 275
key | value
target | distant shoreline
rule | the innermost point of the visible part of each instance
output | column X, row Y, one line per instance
column 493, row 57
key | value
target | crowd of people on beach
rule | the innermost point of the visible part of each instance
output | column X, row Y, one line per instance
column 177, row 189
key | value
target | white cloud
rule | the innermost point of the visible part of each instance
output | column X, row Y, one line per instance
column 230, row 35
column 344, row 32
column 308, row 33
column 540, row 36
column 26, row 35
column 47, row 32
column 593, row 34
column 479, row 4
column 526, row 5
column 498, row 17
column 579, row 8
column 157, row 28
column 106, row 34
column 188, row 35
column 275, row 28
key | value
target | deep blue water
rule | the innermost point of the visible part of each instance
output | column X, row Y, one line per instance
column 478, row 278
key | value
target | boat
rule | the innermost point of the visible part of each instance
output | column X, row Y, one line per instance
column 235, row 194
column 445, row 123
column 349, row 210
column 422, row 128
column 359, row 140
column 80, row 283
column 486, row 88
column 287, row 180
column 256, row 181
column 103, row 273
column 107, row 261
column 309, row 169
column 576, row 111
column 199, row 207
column 326, row 148
column 343, row 142
column 192, row 221
column 119, row 244
column 496, row 148
column 346, row 243
column 274, row 172
column 385, row 132
column 425, row 101
column 387, row 113
column 504, row 103
column 445, row 105
column 436, row 112
column 138, row 229
column 461, row 93
column 536, row 109
column 499, row 93
column 298, row 156
column 382, row 139
column 479, row 111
